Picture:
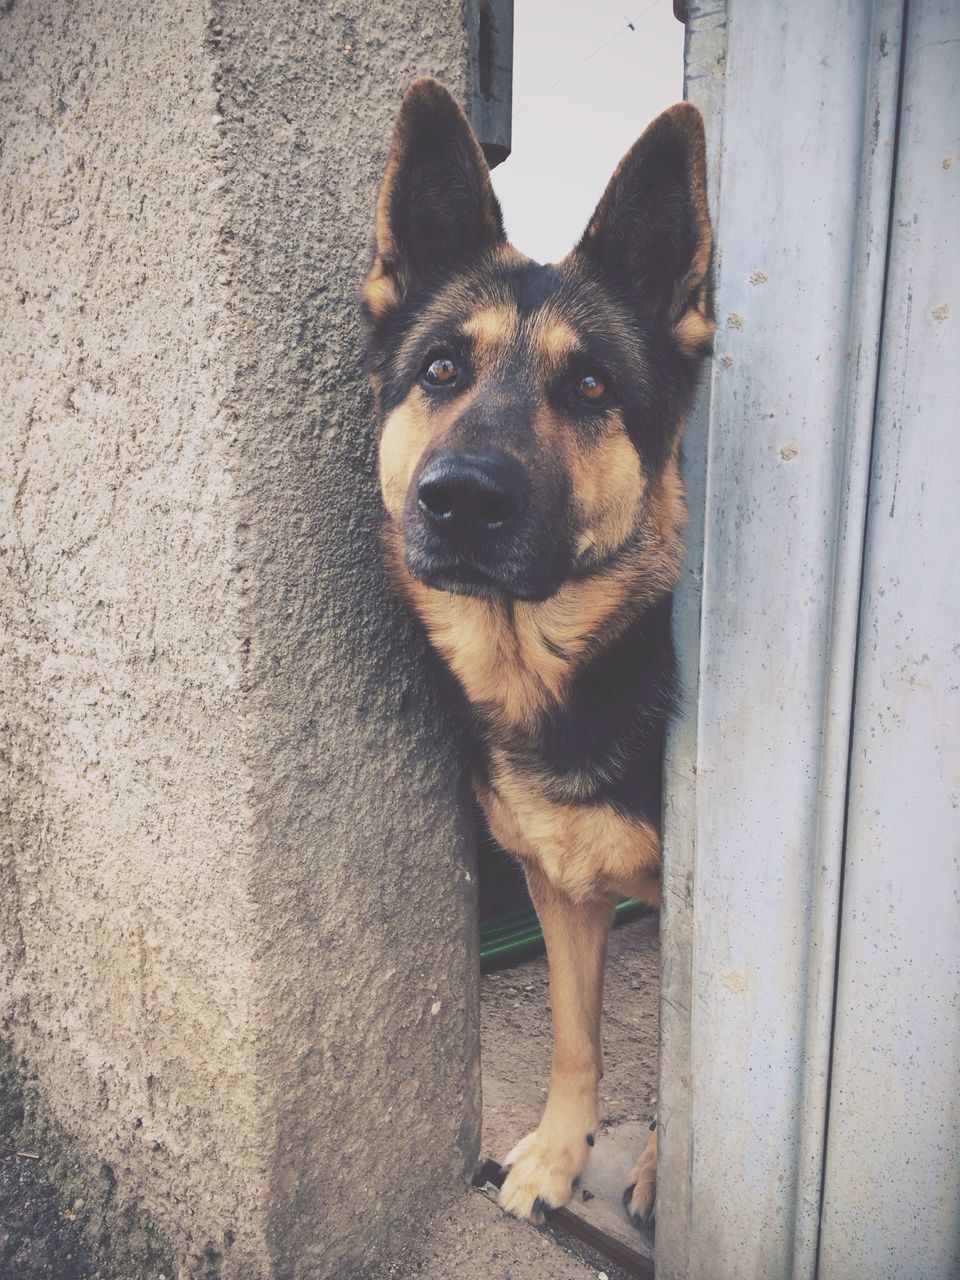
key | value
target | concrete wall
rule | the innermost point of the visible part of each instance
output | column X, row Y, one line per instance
column 236, row 900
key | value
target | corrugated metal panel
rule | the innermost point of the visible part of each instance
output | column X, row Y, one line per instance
column 892, row 1193
column 806, row 98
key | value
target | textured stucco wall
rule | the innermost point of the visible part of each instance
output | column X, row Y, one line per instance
column 237, row 948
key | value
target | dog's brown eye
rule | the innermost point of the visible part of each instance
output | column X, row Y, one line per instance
column 591, row 387
column 440, row 372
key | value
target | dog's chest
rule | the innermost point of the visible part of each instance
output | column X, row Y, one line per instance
column 585, row 850
column 508, row 658
column 516, row 662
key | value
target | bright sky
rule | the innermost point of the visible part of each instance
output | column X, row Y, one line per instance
column 568, row 136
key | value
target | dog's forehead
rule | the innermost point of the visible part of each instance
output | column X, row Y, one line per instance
column 551, row 312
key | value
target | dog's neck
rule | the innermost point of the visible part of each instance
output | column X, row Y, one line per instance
column 515, row 659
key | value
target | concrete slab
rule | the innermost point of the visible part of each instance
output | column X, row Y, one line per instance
column 599, row 1204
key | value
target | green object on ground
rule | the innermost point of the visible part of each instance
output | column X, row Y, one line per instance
column 517, row 935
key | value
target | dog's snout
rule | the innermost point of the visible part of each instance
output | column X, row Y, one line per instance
column 466, row 496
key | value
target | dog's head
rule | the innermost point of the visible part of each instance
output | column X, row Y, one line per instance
column 531, row 414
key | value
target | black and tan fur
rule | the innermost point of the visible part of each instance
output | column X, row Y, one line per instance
column 535, row 529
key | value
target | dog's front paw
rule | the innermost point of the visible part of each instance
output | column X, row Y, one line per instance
column 545, row 1170
column 640, row 1197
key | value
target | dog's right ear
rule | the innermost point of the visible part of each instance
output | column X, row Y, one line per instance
column 650, row 233
column 436, row 210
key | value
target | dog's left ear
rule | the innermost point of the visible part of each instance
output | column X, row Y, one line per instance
column 651, row 234
column 436, row 210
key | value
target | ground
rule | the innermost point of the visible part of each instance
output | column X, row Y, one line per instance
column 476, row 1241
column 37, row 1241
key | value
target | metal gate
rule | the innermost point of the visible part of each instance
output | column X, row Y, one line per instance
column 811, row 926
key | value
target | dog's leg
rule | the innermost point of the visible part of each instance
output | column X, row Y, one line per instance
column 546, row 1165
column 640, row 1197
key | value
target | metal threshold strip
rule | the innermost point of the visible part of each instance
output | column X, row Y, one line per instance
column 489, row 1179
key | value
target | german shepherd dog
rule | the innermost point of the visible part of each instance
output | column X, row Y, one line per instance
column 529, row 464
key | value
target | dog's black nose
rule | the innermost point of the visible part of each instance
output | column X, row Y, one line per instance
column 468, row 495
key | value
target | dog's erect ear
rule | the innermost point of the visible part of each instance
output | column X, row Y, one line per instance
column 650, row 233
column 436, row 210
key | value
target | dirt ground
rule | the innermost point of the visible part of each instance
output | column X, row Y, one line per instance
column 478, row 1241
column 37, row 1242
column 475, row 1241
